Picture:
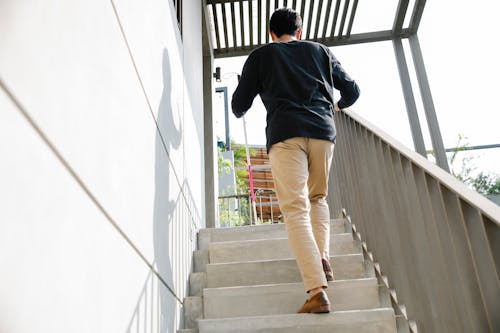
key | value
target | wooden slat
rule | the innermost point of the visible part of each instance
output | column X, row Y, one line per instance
column 259, row 22
column 242, row 24
column 318, row 18
column 233, row 21
column 351, row 19
column 250, row 20
column 340, row 34
column 344, row 16
column 224, row 24
column 302, row 10
column 309, row 19
column 268, row 9
column 335, row 18
column 216, row 26
column 327, row 18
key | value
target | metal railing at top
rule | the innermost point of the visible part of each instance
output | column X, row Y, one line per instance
column 437, row 241
column 236, row 210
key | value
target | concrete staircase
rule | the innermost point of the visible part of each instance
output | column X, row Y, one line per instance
column 246, row 280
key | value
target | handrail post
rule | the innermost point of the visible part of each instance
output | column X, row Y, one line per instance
column 435, row 239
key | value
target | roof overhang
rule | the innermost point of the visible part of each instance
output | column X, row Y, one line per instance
column 239, row 26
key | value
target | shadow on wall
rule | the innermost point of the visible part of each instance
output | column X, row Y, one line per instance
column 168, row 137
column 175, row 225
column 156, row 308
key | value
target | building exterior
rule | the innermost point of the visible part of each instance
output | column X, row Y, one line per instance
column 107, row 171
column 101, row 173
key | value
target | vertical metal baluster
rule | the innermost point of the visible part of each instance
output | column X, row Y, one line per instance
column 271, row 206
column 260, row 204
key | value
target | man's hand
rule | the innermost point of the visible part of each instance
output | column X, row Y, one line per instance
column 337, row 109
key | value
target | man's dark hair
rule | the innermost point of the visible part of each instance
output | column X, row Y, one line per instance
column 285, row 21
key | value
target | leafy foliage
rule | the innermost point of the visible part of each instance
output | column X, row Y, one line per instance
column 224, row 166
column 234, row 212
column 240, row 165
column 484, row 183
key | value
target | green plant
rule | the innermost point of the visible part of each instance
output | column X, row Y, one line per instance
column 240, row 165
column 234, row 212
column 484, row 183
column 224, row 166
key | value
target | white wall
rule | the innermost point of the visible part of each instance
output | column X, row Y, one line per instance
column 85, row 237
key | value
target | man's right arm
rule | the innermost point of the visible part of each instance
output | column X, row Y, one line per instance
column 248, row 87
column 349, row 90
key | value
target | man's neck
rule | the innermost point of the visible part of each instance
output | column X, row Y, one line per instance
column 285, row 38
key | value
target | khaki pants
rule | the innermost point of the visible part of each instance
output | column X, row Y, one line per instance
column 300, row 168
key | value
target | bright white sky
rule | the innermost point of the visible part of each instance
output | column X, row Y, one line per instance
column 462, row 61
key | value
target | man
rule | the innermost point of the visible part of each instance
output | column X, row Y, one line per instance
column 295, row 80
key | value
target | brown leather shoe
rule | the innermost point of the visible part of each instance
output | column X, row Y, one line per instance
column 319, row 303
column 327, row 269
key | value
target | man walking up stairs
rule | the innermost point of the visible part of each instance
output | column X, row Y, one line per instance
column 295, row 80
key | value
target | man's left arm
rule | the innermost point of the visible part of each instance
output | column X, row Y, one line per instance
column 348, row 88
column 248, row 87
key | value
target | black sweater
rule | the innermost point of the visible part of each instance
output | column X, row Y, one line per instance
column 295, row 81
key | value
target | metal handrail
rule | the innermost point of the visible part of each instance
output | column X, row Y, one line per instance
column 239, row 210
column 436, row 240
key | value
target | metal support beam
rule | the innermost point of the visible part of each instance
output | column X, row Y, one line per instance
column 430, row 112
column 209, row 148
column 411, row 107
column 361, row 38
column 416, row 16
column 400, row 17
column 226, row 115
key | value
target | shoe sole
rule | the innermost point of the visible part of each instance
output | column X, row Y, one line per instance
column 322, row 309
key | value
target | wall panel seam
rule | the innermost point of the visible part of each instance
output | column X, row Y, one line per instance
column 80, row 182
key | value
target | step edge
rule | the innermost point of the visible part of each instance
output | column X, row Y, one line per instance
column 343, row 234
column 384, row 310
column 331, row 284
column 286, row 259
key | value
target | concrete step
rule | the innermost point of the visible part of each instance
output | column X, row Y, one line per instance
column 286, row 298
column 356, row 321
column 350, row 266
column 193, row 311
column 273, row 249
column 197, row 282
column 263, row 231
